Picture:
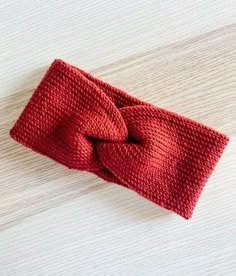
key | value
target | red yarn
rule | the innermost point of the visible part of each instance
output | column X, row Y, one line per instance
column 86, row 124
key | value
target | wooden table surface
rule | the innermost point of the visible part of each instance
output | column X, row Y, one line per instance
column 179, row 55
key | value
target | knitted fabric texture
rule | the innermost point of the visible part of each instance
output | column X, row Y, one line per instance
column 87, row 124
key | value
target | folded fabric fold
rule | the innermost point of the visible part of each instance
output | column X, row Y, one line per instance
column 87, row 124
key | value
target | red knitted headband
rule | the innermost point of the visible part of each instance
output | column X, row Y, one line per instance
column 87, row 124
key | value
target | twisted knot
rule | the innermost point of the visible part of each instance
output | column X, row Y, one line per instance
column 87, row 124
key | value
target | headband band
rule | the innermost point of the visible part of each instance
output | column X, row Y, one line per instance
column 87, row 124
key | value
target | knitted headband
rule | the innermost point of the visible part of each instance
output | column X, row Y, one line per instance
column 87, row 124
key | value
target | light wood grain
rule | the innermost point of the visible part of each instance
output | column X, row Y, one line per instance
column 178, row 55
column 95, row 33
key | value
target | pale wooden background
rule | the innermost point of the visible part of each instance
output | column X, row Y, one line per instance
column 180, row 55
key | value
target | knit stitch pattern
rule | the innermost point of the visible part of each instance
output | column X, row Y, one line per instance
column 87, row 124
